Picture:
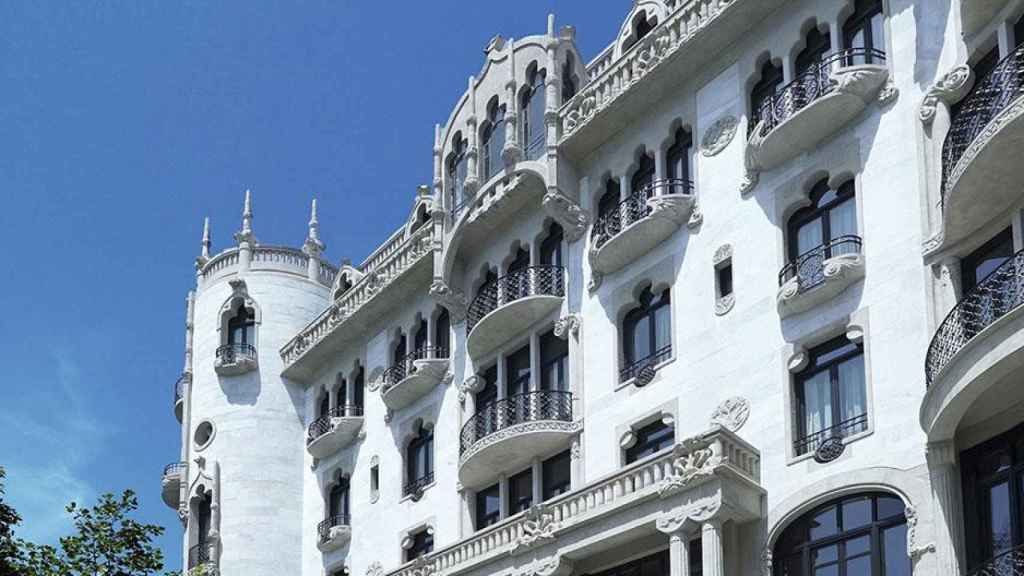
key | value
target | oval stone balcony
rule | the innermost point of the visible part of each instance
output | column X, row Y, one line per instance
column 333, row 533
column 814, row 106
column 334, row 431
column 505, row 307
column 638, row 224
column 180, row 389
column 174, row 474
column 981, row 163
column 974, row 360
column 413, row 377
column 505, row 436
column 235, row 359
column 819, row 275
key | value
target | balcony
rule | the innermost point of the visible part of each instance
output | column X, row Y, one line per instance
column 814, row 106
column 505, row 307
column 981, row 164
column 637, row 225
column 180, row 389
column 506, row 435
column 200, row 560
column 827, row 444
column 415, row 488
column 413, row 377
column 174, row 475
column 235, row 359
column 1009, row 563
column 333, row 533
column 643, row 370
column 820, row 275
column 334, row 431
column 975, row 353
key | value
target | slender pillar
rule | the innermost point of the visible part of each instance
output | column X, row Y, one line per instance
column 679, row 554
column 948, row 507
column 711, row 548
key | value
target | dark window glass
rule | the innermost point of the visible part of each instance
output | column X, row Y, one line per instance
column 831, row 215
column 442, row 333
column 656, row 564
column 844, row 537
column 1018, row 31
column 419, row 458
column 242, row 326
column 422, row 544
column 993, row 488
column 865, row 28
column 830, row 394
column 650, row 439
column 532, row 112
column 762, row 93
column 696, row 557
column 457, row 171
column 647, row 330
column 485, row 402
column 337, row 504
column 488, row 510
column 517, row 372
column 375, row 478
column 641, row 27
column 554, row 363
column 357, row 389
column 204, row 514
column 817, row 43
column 678, row 156
column 609, row 200
column 551, row 247
column 419, row 339
column 342, row 395
column 644, row 175
column 569, row 84
column 493, row 138
column 399, row 353
column 520, row 491
column 555, row 475
column 725, row 281
column 983, row 261
column 325, row 405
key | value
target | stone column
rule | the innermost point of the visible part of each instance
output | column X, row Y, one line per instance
column 679, row 554
column 948, row 509
column 711, row 548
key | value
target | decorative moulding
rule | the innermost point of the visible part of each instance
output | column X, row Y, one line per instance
column 723, row 253
column 538, row 527
column 451, row 299
column 718, row 136
column 692, row 459
column 566, row 325
column 471, row 385
column 732, row 413
column 567, row 213
column 724, row 304
column 914, row 549
column 552, row 566
column 949, row 88
column 798, row 359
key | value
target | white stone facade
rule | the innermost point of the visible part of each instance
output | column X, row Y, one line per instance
column 744, row 323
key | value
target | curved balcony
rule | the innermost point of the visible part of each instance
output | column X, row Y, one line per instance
column 413, row 376
column 638, row 224
column 174, row 475
column 1009, row 563
column 334, row 532
column 235, row 359
column 505, row 307
column 180, row 388
column 820, row 275
column 981, row 164
column 334, row 430
column 975, row 352
column 506, row 435
column 814, row 106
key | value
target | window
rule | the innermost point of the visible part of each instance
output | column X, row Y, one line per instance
column 520, row 491
column 421, row 544
column 493, row 138
column 419, row 461
column 555, row 475
column 486, row 400
column 1018, row 32
column 825, row 229
column 641, row 27
column 863, row 534
column 517, row 372
column 242, row 327
column 337, row 503
column 554, row 363
column 643, row 177
column 532, row 111
column 646, row 333
column 442, row 333
column 650, row 439
column 977, row 265
column 830, row 395
column 374, row 482
column 816, row 45
column 419, row 338
column 609, row 200
column 654, row 565
column 457, row 172
column 677, row 157
column 569, row 83
column 325, row 405
column 724, row 274
column 865, row 29
column 341, row 396
column 399, row 353
column 204, row 514
column 357, row 392
column 811, row 78
column 763, row 94
column 488, row 508
column 696, row 558
column 993, row 486
column 551, row 246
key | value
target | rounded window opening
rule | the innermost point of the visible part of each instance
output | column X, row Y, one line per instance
column 204, row 434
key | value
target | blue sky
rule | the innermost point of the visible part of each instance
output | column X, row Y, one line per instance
column 124, row 123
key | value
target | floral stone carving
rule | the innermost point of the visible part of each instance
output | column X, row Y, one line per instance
column 732, row 413
column 538, row 525
column 950, row 88
column 718, row 136
column 692, row 459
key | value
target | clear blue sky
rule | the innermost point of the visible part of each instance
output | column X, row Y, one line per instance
column 123, row 124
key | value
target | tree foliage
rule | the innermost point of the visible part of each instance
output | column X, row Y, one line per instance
column 8, row 520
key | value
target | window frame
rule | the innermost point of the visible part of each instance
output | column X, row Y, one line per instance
column 420, row 446
column 847, row 191
column 643, row 446
column 422, row 543
column 835, row 389
column 649, row 305
column 860, row 20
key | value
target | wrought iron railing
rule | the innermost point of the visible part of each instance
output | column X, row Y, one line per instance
column 809, row 267
column 198, row 555
column 995, row 296
column 322, row 425
column 1008, row 563
column 633, row 208
column 645, row 365
column 406, row 366
column 846, row 428
column 232, row 353
column 416, row 486
column 179, row 386
column 323, row 529
column 989, row 96
column 809, row 86
column 175, row 469
column 542, row 280
column 517, row 409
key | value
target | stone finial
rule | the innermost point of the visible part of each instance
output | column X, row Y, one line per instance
column 313, row 246
column 246, row 234
column 204, row 251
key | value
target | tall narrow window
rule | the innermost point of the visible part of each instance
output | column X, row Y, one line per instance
column 399, row 353
column 486, row 404
column 357, row 391
column 569, row 83
column 520, row 491
column 341, row 399
column 641, row 28
column 419, row 338
column 865, row 30
column 551, row 247
column 825, row 229
column 643, row 177
column 678, row 156
column 457, row 173
column 488, row 507
column 242, row 327
column 517, row 284
column 442, row 333
column 421, row 544
column 374, row 482
column 646, row 333
column 831, row 397
column 762, row 95
column 532, row 111
column 337, row 503
column 812, row 80
column 554, row 363
column 555, row 475
column 817, row 44
column 325, row 405
column 609, row 200
column 493, row 138
column 419, row 461
column 650, row 439
column 517, row 372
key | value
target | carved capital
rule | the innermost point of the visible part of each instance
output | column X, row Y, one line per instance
column 451, row 299
column 569, row 215
column 950, row 88
column 566, row 325
column 471, row 385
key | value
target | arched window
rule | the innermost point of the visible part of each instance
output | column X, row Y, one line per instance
column 325, row 405
column 419, row 461
column 569, row 83
column 442, row 333
column 644, row 176
column 419, row 338
column 551, row 246
column 863, row 534
column 242, row 327
column 337, row 502
column 646, row 333
column 344, row 285
column 865, row 29
column 610, row 199
column 341, row 396
column 641, row 27
column 532, row 110
column 517, row 284
column 677, row 157
column 485, row 401
column 812, row 77
column 817, row 44
column 493, row 138
column 763, row 93
column 421, row 218
column 826, row 224
column 457, row 172
column 399, row 352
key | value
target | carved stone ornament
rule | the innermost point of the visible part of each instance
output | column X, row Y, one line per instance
column 566, row 325
column 766, row 561
column 950, row 88
column 552, row 566
column 538, row 526
column 696, row 217
column 723, row 253
column 451, row 299
column 798, row 359
column 724, row 304
column 915, row 550
column 375, row 569
column 422, row 567
column 718, row 136
column 238, row 288
column 732, row 413
column 567, row 213
column 692, row 459
column 829, row 450
column 695, row 513
column 471, row 385
column 749, row 181
column 576, row 450
column 889, row 93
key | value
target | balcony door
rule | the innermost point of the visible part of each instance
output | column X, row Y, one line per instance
column 815, row 231
column 338, row 502
column 1000, row 297
column 810, row 77
column 398, row 356
column 993, row 483
column 419, row 339
column 486, row 400
column 517, row 384
column 518, row 284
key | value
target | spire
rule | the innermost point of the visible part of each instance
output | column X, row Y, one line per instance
column 246, row 235
column 313, row 245
column 204, row 252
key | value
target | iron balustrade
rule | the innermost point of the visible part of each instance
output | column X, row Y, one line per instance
column 175, row 469
column 323, row 529
column 1008, row 563
column 994, row 297
column 809, row 86
column 809, row 267
column 322, row 425
column 633, row 370
column 179, row 386
column 634, row 207
column 541, row 280
column 989, row 96
column 416, row 486
column 844, row 429
column 198, row 555
column 517, row 409
column 406, row 365
column 232, row 353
